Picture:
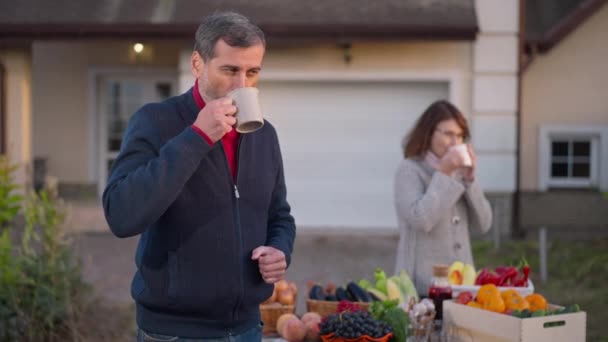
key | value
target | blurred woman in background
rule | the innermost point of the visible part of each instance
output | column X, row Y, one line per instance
column 437, row 197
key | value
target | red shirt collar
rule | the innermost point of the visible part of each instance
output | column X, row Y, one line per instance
column 197, row 96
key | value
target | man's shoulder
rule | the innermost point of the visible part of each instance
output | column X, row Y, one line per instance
column 164, row 111
column 169, row 105
column 268, row 127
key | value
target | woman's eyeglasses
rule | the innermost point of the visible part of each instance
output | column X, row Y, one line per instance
column 451, row 135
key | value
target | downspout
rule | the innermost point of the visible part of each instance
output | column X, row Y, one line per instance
column 2, row 110
column 518, row 232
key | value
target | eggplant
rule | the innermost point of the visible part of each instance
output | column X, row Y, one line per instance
column 357, row 292
column 316, row 293
column 341, row 294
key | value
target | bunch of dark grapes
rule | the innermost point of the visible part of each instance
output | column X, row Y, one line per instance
column 354, row 324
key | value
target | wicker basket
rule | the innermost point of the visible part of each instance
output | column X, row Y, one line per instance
column 325, row 308
column 270, row 315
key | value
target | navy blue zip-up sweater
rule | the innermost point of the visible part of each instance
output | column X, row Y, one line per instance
column 198, row 227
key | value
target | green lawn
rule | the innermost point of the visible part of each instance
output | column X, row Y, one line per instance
column 577, row 274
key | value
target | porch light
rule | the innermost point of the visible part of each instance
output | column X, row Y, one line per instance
column 138, row 48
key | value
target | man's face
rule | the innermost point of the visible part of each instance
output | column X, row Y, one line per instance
column 229, row 69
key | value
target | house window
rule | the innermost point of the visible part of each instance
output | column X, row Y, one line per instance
column 120, row 96
column 571, row 158
column 572, row 161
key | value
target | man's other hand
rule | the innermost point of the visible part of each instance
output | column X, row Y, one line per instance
column 271, row 262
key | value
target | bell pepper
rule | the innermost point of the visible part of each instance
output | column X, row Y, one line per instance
column 514, row 301
column 537, row 302
column 494, row 303
column 486, row 292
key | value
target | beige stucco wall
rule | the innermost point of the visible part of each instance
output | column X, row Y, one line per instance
column 61, row 96
column 18, row 109
column 61, row 91
column 414, row 58
column 569, row 85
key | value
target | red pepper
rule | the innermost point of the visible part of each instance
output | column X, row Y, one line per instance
column 491, row 278
column 509, row 273
column 481, row 277
column 519, row 281
column 526, row 270
column 502, row 269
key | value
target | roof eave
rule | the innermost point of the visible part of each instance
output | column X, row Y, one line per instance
column 565, row 26
column 274, row 32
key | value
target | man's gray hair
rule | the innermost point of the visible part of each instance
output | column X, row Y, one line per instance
column 233, row 28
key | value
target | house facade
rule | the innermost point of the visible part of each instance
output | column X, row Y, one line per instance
column 343, row 82
column 564, row 122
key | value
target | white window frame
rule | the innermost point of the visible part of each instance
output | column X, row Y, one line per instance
column 597, row 135
column 97, row 134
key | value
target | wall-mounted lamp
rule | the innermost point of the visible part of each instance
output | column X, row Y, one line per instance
column 138, row 48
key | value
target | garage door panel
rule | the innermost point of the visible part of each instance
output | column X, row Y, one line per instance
column 353, row 165
column 368, row 203
column 341, row 143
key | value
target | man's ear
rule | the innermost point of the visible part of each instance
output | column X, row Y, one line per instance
column 196, row 64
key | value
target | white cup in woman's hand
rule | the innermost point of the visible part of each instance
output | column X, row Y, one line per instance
column 463, row 151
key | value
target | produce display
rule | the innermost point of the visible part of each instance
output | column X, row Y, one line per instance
column 387, row 308
column 352, row 325
column 460, row 273
column 511, row 302
column 294, row 329
column 397, row 287
column 503, row 276
column 351, row 292
column 282, row 301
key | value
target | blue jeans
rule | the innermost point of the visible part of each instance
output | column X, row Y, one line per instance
column 251, row 335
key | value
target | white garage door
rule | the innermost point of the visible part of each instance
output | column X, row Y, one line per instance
column 341, row 143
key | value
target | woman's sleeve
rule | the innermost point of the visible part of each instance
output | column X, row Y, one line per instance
column 479, row 209
column 422, row 208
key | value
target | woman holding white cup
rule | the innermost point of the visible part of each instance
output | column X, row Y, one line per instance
column 437, row 198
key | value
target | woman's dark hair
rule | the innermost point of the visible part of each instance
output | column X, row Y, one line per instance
column 418, row 141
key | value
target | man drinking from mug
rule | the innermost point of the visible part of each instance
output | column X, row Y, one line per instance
column 208, row 203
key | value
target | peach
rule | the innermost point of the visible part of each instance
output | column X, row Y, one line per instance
column 294, row 330
column 311, row 317
column 312, row 331
column 282, row 320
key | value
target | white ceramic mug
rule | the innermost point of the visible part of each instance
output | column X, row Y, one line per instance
column 248, row 115
column 463, row 150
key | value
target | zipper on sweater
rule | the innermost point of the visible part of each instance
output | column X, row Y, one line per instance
column 239, row 229
column 237, row 222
